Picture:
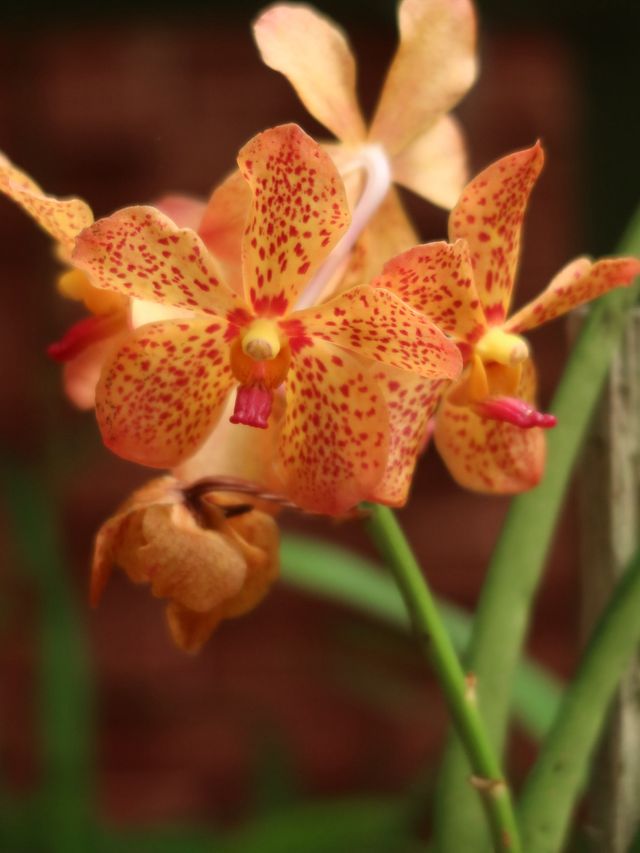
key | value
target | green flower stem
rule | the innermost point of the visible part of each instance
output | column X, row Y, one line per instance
column 458, row 690
column 561, row 768
column 502, row 618
column 337, row 574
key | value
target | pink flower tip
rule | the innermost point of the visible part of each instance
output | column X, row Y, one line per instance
column 253, row 406
column 514, row 411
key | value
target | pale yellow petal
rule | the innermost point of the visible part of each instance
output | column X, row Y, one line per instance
column 434, row 165
column 433, row 68
column 315, row 57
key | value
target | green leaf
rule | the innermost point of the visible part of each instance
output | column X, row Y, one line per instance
column 344, row 577
column 374, row 824
column 561, row 768
column 504, row 609
column 65, row 700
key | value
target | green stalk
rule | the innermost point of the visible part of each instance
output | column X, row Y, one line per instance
column 459, row 692
column 502, row 618
column 561, row 768
column 64, row 701
column 337, row 574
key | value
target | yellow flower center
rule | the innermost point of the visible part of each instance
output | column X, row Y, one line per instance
column 261, row 341
column 502, row 347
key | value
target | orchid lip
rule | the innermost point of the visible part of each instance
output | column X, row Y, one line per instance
column 252, row 406
column 514, row 411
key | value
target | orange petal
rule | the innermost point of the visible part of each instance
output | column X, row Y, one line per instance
column 436, row 279
column 315, row 57
column 81, row 373
column 489, row 217
column 223, row 225
column 161, row 393
column 139, row 252
column 197, row 568
column 579, row 282
column 411, row 402
column 110, row 534
column 258, row 536
column 433, row 68
column 375, row 324
column 434, row 165
column 184, row 210
column 190, row 630
column 487, row 455
column 63, row 219
column 334, row 443
column 299, row 213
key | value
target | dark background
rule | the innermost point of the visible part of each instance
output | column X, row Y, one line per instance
column 119, row 105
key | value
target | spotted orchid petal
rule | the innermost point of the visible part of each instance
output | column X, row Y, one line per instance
column 334, row 443
column 314, row 55
column 579, row 282
column 81, row 373
column 63, row 219
column 436, row 279
column 161, row 393
column 223, row 225
column 489, row 217
column 433, row 68
column 140, row 253
column 374, row 324
column 488, row 455
column 299, row 213
column 434, row 165
column 411, row 402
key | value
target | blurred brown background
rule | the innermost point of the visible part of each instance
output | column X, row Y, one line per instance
column 124, row 107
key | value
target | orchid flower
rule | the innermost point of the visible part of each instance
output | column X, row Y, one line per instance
column 411, row 140
column 213, row 555
column 487, row 428
column 162, row 392
column 84, row 346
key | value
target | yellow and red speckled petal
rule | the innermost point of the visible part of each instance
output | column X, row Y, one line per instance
column 314, row 55
column 435, row 164
column 436, row 279
column 63, row 219
column 373, row 323
column 298, row 214
column 489, row 217
column 411, row 402
column 334, row 442
column 140, row 253
column 223, row 225
column 433, row 68
column 488, row 455
column 578, row 282
column 161, row 393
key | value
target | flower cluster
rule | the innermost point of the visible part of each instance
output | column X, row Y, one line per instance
column 290, row 333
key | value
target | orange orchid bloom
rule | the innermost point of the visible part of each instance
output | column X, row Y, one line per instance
column 432, row 70
column 421, row 145
column 83, row 348
column 213, row 555
column 487, row 428
column 163, row 391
